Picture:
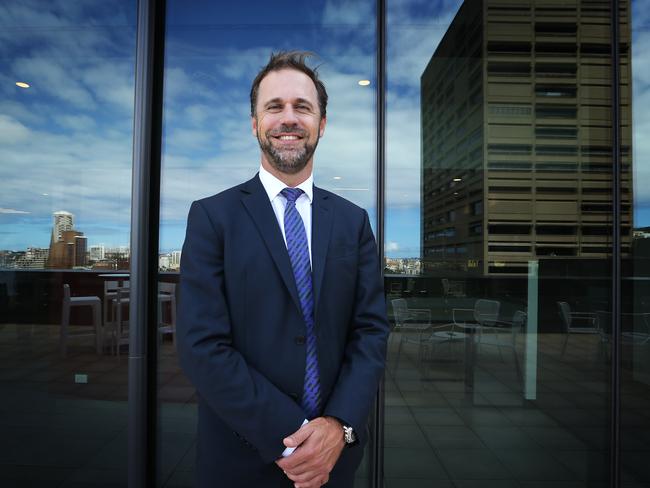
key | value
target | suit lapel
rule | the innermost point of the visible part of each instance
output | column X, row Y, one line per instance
column 321, row 228
column 259, row 208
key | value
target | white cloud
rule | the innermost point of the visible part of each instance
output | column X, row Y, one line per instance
column 12, row 211
column 348, row 12
column 197, row 115
column 21, row 112
column 51, row 77
column 391, row 246
column 112, row 82
column 190, row 140
column 11, row 131
column 75, row 122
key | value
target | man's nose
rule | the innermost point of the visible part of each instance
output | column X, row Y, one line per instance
column 289, row 116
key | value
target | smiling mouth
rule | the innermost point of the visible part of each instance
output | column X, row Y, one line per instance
column 287, row 137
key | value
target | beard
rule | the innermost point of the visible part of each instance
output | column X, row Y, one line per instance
column 289, row 160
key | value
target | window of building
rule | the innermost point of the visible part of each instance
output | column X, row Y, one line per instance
column 556, row 70
column 556, row 49
column 556, row 28
column 556, row 91
column 513, row 229
column 556, row 111
column 509, row 149
column 556, row 150
column 509, row 48
column 508, row 69
column 556, row 132
column 509, row 110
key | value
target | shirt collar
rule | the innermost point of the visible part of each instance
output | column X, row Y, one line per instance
column 274, row 186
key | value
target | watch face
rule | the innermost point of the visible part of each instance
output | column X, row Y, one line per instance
column 349, row 435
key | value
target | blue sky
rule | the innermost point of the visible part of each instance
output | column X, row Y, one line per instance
column 65, row 143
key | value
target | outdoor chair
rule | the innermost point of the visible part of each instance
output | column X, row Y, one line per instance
column 95, row 303
column 575, row 323
column 167, row 302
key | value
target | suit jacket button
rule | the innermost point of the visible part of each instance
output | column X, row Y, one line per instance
column 294, row 396
column 299, row 340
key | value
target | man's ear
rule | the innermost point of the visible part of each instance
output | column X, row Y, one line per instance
column 254, row 125
column 321, row 126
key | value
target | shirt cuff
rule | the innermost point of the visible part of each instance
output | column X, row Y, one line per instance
column 289, row 450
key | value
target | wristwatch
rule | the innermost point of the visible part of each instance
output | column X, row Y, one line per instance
column 348, row 435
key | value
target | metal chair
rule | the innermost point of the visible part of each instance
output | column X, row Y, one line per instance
column 587, row 321
column 95, row 303
column 109, row 307
column 635, row 330
column 473, row 320
column 121, row 330
column 452, row 288
column 167, row 295
column 504, row 334
column 414, row 330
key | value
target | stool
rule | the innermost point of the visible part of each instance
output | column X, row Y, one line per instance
column 68, row 302
column 167, row 294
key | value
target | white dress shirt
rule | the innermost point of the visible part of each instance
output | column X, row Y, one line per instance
column 274, row 187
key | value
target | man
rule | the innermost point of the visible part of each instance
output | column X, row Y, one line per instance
column 282, row 325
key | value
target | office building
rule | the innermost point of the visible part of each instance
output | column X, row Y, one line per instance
column 34, row 258
column 62, row 221
column 516, row 138
column 97, row 252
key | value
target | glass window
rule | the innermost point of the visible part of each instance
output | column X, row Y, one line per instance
column 212, row 56
column 497, row 369
column 635, row 224
column 66, row 122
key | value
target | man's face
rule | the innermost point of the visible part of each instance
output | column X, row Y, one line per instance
column 287, row 122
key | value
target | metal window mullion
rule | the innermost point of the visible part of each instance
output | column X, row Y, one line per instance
column 145, row 198
column 615, row 407
column 377, row 455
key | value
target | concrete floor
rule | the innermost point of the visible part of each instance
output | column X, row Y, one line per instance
column 57, row 432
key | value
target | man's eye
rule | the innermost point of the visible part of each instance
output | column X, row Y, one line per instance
column 274, row 107
column 304, row 108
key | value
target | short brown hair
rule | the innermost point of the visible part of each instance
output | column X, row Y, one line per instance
column 290, row 60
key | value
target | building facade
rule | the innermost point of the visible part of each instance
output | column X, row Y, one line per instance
column 517, row 138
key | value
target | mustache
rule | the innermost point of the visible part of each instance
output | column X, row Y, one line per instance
column 286, row 129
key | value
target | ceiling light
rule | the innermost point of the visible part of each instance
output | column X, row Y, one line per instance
column 458, row 179
column 22, row 84
column 364, row 82
column 337, row 178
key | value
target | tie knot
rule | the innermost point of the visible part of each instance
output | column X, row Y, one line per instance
column 292, row 194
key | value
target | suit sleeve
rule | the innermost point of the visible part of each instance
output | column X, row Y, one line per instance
column 365, row 353
column 238, row 394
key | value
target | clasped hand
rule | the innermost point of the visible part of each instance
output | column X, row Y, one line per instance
column 318, row 446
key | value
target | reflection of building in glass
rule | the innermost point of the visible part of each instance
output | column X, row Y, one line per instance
column 516, row 138
column 164, row 262
column 62, row 221
column 97, row 252
column 169, row 261
column 68, row 247
column 176, row 259
column 114, row 258
column 406, row 266
column 34, row 257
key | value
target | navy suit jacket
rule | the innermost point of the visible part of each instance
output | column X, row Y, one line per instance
column 241, row 335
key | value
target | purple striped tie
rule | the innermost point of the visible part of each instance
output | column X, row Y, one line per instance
column 298, row 248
